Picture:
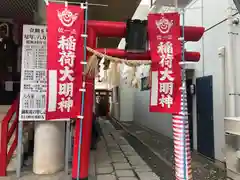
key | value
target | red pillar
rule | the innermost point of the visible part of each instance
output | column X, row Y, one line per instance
column 87, row 124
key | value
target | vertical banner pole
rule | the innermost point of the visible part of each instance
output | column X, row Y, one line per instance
column 184, row 111
column 83, row 93
column 71, row 143
column 67, row 145
column 187, row 150
column 19, row 149
column 182, row 152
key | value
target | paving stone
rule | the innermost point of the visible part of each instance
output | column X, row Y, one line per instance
column 103, row 164
column 119, row 160
column 115, row 149
column 117, row 156
column 131, row 153
column 127, row 178
column 127, row 147
column 102, row 156
column 122, row 142
column 147, row 176
column 120, row 166
column 136, row 160
column 31, row 176
column 135, row 157
column 125, row 173
column 106, row 177
column 142, row 168
column 48, row 178
column 112, row 144
column 116, row 136
column 137, row 163
column 105, row 170
column 113, row 152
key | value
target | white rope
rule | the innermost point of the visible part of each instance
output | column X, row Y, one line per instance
column 119, row 60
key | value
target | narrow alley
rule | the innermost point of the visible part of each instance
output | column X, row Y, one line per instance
column 157, row 150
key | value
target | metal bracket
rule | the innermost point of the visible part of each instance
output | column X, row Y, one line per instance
column 234, row 94
column 81, row 117
column 84, row 35
column 84, row 5
column 182, row 11
column 84, row 85
column 83, row 62
column 47, row 2
column 82, row 90
column 233, row 33
column 181, row 39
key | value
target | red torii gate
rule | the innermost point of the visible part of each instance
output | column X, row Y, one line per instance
column 111, row 29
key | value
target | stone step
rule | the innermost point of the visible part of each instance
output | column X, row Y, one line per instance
column 26, row 133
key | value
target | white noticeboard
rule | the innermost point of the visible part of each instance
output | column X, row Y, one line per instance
column 33, row 74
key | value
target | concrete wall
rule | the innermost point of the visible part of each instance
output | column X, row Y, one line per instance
column 208, row 14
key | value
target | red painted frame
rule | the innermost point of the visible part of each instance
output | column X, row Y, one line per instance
column 6, row 135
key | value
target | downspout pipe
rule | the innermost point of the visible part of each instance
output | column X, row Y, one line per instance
column 222, row 58
column 230, row 71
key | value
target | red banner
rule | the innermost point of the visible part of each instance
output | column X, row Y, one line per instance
column 164, row 33
column 65, row 51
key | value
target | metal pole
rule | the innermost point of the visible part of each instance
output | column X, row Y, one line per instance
column 183, row 94
column 151, row 3
column 71, row 144
column 83, row 92
column 184, row 112
column 180, row 121
column 67, row 145
column 176, row 4
column 230, row 65
column 19, row 149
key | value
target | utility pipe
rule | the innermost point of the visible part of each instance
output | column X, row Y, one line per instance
column 221, row 55
column 230, row 81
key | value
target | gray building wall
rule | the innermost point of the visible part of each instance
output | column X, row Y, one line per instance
column 157, row 121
